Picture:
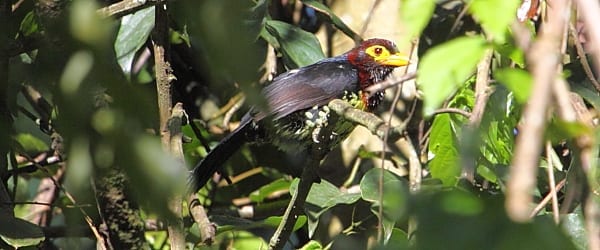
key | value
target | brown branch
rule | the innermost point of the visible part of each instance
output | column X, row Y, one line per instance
column 452, row 111
column 582, row 57
column 414, row 174
column 174, row 124
column 552, row 182
column 207, row 229
column 125, row 7
column 547, row 199
column 543, row 58
column 482, row 95
column 171, row 118
column 368, row 120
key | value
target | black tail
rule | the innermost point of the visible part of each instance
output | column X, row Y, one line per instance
column 206, row 168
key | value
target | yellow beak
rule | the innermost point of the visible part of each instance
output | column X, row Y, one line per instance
column 395, row 60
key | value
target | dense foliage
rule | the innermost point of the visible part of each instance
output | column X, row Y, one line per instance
column 492, row 145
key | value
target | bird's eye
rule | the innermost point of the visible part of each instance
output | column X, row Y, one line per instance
column 378, row 50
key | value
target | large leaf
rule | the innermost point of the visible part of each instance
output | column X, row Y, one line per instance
column 299, row 48
column 443, row 145
column 133, row 33
column 395, row 196
column 30, row 143
column 518, row 81
column 18, row 232
column 415, row 16
column 495, row 16
column 321, row 197
column 445, row 67
column 264, row 191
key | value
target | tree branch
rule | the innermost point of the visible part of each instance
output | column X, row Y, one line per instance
column 543, row 58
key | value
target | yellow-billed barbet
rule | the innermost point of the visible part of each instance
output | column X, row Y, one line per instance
column 298, row 101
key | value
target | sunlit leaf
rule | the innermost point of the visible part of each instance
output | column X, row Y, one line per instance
column 274, row 221
column 30, row 143
column 445, row 67
column 518, row 81
column 495, row 16
column 266, row 190
column 445, row 163
column 133, row 33
column 415, row 16
column 560, row 130
column 312, row 245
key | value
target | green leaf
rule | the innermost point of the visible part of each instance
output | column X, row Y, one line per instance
column 264, row 191
column 559, row 130
column 326, row 195
column 299, row 48
column 445, row 67
column 398, row 240
column 461, row 203
column 18, row 232
column 133, row 33
column 321, row 197
column 510, row 51
column 487, row 174
column 335, row 20
column 574, row 226
column 518, row 81
column 444, row 165
column 395, row 196
column 495, row 16
column 274, row 221
column 312, row 245
column 30, row 143
column 29, row 25
column 415, row 16
column 246, row 240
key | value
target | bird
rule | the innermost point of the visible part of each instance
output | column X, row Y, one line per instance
column 297, row 104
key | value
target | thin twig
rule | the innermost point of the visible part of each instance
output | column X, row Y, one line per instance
column 207, row 229
column 482, row 95
column 390, row 84
column 368, row 120
column 552, row 182
column 582, row 58
column 125, row 7
column 452, row 110
column 547, row 199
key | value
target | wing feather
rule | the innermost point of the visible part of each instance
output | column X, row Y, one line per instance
column 316, row 84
